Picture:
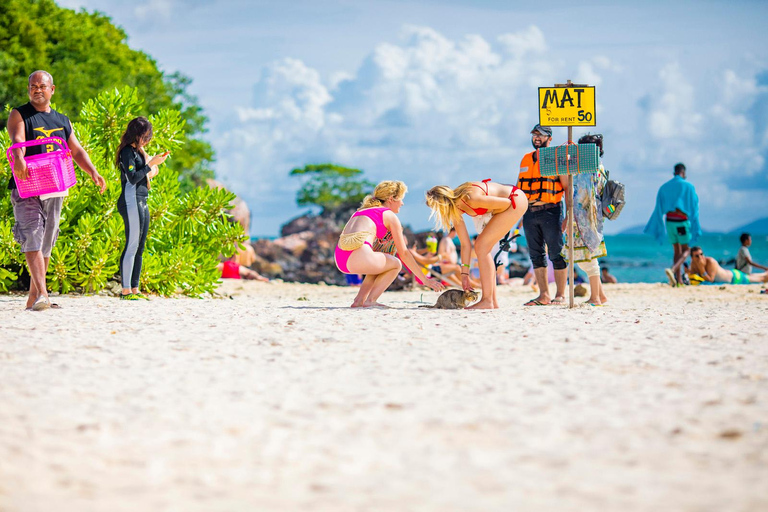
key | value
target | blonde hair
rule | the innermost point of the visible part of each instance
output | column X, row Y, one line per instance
column 442, row 201
column 382, row 192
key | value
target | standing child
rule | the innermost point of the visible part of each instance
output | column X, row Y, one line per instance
column 136, row 169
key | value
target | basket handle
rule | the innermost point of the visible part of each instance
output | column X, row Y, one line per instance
column 36, row 142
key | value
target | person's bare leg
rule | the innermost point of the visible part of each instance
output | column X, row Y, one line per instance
column 594, row 291
column 603, row 298
column 561, row 278
column 365, row 289
column 542, row 281
column 380, row 285
column 487, row 278
column 677, row 253
column 382, row 269
column 758, row 278
column 38, row 267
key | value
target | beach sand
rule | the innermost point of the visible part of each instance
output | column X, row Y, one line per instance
column 283, row 398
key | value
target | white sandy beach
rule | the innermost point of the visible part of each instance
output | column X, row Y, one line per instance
column 282, row 398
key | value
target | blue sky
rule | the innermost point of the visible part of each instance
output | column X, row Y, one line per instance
column 445, row 92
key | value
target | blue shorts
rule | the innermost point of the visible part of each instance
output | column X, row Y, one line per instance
column 679, row 231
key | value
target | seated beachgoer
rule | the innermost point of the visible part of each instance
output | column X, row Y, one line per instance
column 744, row 260
column 606, row 276
column 231, row 269
column 706, row 268
column 376, row 218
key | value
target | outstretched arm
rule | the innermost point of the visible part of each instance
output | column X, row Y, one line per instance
column 466, row 252
column 393, row 224
column 84, row 161
column 749, row 261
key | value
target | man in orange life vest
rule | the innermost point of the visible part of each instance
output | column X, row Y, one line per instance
column 543, row 220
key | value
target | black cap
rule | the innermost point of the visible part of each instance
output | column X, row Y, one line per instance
column 544, row 130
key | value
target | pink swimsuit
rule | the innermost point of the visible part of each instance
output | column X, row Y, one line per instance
column 377, row 216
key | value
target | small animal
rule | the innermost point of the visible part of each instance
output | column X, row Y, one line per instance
column 455, row 299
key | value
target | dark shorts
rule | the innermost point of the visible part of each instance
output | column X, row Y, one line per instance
column 542, row 229
column 37, row 222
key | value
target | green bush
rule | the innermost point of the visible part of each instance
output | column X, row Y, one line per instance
column 188, row 230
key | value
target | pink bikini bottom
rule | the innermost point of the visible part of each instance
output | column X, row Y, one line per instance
column 341, row 256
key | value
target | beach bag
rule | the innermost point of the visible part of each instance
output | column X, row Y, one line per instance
column 48, row 172
column 612, row 198
column 385, row 244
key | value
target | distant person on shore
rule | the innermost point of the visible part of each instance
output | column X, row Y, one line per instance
column 676, row 217
column 542, row 221
column 136, row 169
column 606, row 277
column 744, row 260
column 37, row 218
column 500, row 206
column 589, row 243
column 708, row 269
column 376, row 218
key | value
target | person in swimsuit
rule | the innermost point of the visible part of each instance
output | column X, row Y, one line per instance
column 497, row 207
column 376, row 218
column 710, row 270
column 136, row 169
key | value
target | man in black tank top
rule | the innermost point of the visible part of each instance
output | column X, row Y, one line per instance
column 37, row 218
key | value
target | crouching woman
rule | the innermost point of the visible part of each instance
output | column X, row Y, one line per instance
column 377, row 218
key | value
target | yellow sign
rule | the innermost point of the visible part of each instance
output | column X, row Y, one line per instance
column 567, row 106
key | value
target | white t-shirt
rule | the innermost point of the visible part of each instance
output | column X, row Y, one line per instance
column 742, row 259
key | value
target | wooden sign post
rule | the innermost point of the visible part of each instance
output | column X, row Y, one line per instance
column 568, row 105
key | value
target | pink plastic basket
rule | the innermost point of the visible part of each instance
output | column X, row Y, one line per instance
column 48, row 172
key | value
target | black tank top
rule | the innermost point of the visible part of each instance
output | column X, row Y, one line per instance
column 41, row 125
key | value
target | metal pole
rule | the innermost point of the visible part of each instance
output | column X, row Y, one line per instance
column 569, row 224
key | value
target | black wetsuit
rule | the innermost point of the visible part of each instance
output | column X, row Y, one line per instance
column 132, row 205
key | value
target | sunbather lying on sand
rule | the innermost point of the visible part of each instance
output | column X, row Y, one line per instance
column 710, row 270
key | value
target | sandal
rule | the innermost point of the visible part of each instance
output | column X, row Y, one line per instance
column 129, row 296
column 535, row 302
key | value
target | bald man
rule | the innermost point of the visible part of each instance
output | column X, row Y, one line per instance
column 37, row 217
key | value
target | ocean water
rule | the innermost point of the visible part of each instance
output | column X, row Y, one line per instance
column 640, row 259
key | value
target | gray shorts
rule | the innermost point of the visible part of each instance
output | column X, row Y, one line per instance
column 37, row 222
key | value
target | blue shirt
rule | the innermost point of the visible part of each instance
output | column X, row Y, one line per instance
column 673, row 195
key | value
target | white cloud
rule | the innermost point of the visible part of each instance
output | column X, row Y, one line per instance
column 431, row 110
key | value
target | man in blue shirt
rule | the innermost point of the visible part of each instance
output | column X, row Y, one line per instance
column 676, row 218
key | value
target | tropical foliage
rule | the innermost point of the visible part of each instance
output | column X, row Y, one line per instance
column 87, row 54
column 188, row 229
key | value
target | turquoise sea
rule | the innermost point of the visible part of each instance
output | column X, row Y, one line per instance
column 640, row 259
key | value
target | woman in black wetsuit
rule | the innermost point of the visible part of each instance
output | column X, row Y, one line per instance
column 136, row 169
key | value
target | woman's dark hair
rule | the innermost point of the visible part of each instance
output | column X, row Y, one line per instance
column 593, row 138
column 139, row 130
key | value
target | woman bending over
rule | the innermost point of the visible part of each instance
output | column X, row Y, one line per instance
column 496, row 208
column 354, row 254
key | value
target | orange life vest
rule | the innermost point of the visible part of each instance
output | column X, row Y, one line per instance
column 537, row 187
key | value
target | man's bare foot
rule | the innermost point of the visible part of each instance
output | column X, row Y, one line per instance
column 539, row 301
column 557, row 301
column 483, row 304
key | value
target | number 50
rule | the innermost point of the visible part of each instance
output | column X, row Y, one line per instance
column 585, row 116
